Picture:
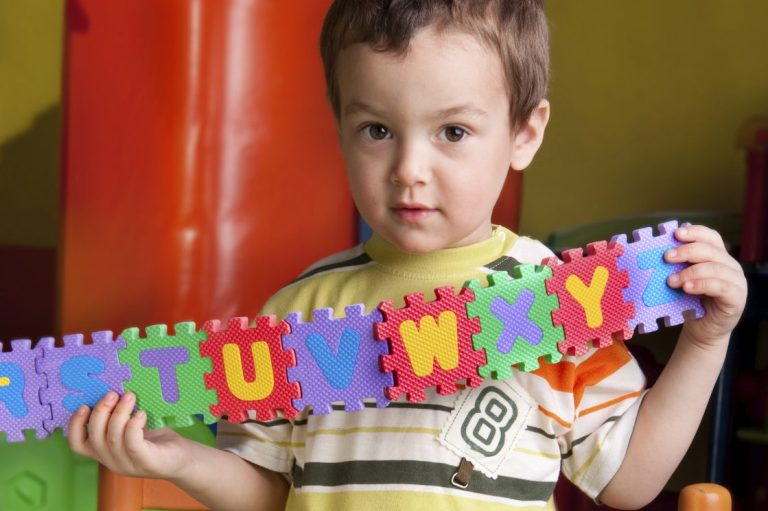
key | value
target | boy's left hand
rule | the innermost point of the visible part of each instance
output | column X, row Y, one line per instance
column 715, row 275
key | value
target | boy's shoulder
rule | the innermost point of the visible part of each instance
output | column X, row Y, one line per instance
column 350, row 257
column 529, row 250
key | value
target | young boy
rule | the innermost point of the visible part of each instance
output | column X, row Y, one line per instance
column 435, row 101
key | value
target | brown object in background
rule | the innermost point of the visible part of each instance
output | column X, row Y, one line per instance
column 753, row 136
column 28, row 290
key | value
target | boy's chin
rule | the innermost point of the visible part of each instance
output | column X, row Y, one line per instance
column 424, row 242
column 418, row 244
column 428, row 240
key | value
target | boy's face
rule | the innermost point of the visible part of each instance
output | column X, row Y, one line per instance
column 427, row 138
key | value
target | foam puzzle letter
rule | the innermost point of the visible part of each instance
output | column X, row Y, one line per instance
column 337, row 367
column 432, row 342
column 263, row 381
column 589, row 296
column 516, row 322
column 658, row 292
column 12, row 389
column 166, row 361
column 78, row 374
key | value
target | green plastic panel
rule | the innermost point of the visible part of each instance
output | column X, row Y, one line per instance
column 44, row 475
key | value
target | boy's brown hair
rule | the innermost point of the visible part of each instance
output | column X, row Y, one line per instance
column 515, row 29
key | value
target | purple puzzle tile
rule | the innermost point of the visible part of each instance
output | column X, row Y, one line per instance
column 337, row 360
column 20, row 387
column 79, row 374
column 648, row 272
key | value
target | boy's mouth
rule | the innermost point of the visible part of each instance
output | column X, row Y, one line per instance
column 412, row 213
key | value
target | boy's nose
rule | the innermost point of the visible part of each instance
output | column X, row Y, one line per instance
column 411, row 167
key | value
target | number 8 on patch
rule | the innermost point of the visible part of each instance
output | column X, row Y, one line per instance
column 486, row 425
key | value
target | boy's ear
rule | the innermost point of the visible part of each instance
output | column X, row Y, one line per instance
column 529, row 136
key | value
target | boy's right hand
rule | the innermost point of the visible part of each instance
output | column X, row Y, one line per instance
column 117, row 440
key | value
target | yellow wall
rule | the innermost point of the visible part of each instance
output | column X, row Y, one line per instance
column 647, row 98
column 30, row 66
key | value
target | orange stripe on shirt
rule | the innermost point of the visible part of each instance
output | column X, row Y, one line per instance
column 566, row 376
column 560, row 376
column 610, row 402
column 603, row 363
column 555, row 417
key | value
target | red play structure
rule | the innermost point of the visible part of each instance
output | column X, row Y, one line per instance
column 200, row 165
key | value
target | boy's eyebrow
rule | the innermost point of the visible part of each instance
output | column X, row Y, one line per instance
column 461, row 110
column 358, row 106
column 468, row 109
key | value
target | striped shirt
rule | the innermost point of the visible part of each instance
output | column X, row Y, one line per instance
column 575, row 416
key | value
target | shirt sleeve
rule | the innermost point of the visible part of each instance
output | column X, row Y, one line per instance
column 266, row 444
column 608, row 387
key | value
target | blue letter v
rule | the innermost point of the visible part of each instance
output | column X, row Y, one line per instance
column 338, row 368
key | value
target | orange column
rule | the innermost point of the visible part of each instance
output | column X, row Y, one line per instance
column 200, row 166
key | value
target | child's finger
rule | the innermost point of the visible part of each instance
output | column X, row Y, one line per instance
column 116, row 426
column 97, row 427
column 703, row 271
column 723, row 290
column 135, row 444
column 689, row 233
column 700, row 252
column 77, row 435
column 724, row 284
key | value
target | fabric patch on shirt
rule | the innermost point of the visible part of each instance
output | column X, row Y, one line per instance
column 485, row 425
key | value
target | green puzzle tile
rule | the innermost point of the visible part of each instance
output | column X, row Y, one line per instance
column 184, row 393
column 523, row 354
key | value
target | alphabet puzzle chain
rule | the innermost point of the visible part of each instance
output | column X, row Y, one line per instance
column 267, row 367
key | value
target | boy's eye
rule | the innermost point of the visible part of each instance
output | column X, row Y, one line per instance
column 377, row 131
column 454, row 133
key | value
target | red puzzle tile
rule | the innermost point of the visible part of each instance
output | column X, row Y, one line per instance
column 250, row 368
column 589, row 289
column 430, row 344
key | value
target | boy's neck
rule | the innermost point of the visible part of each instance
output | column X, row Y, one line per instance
column 466, row 256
